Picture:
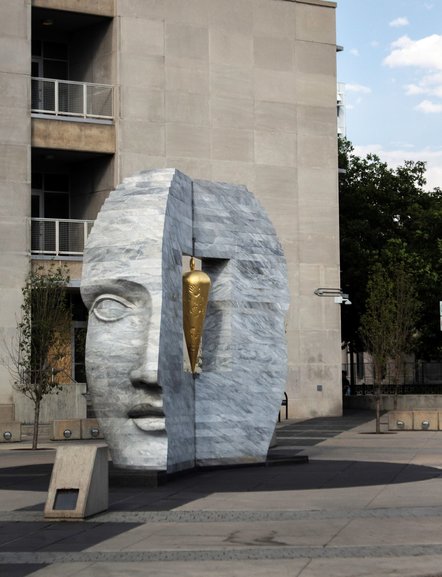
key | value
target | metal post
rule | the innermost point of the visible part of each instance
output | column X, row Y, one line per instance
column 57, row 237
column 84, row 100
column 56, row 97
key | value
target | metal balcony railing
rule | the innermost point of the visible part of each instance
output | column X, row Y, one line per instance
column 68, row 98
column 54, row 237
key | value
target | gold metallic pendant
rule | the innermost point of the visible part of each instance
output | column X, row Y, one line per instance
column 196, row 286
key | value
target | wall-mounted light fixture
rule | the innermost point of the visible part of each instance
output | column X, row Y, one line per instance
column 340, row 297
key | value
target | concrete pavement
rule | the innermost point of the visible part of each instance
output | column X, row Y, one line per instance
column 364, row 505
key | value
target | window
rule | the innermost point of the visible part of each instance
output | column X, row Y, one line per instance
column 50, row 195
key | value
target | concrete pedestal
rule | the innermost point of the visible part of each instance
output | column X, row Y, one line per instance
column 79, row 484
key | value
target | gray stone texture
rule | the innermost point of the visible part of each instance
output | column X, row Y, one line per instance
column 131, row 283
column 135, row 363
column 244, row 360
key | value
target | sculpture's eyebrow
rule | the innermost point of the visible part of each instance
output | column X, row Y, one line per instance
column 130, row 290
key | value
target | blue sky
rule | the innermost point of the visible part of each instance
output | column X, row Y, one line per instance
column 392, row 68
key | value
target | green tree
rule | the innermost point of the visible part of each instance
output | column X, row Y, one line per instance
column 43, row 337
column 389, row 321
column 400, row 266
column 380, row 205
column 424, row 241
column 378, row 327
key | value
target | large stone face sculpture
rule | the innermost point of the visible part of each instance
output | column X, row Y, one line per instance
column 155, row 414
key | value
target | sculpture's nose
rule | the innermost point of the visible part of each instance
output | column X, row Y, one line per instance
column 146, row 373
column 144, row 377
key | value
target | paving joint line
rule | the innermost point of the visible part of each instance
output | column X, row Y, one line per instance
column 222, row 554
column 230, row 516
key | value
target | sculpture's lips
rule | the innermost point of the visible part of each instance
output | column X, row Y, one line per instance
column 144, row 410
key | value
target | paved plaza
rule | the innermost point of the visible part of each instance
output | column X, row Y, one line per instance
column 364, row 505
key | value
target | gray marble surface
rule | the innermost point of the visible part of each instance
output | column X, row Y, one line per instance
column 244, row 356
column 134, row 352
column 154, row 413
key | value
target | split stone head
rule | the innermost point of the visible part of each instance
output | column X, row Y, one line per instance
column 132, row 287
column 154, row 414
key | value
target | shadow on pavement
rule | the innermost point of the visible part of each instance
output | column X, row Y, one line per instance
column 19, row 570
column 317, row 474
column 292, row 436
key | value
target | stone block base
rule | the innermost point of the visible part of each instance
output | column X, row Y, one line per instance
column 75, row 429
column 424, row 420
column 90, row 429
column 66, row 430
column 400, row 420
column 10, row 432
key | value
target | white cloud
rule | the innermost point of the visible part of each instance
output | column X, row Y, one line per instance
column 374, row 43
column 413, row 89
column 432, row 79
column 424, row 53
column 402, row 144
column 431, row 85
column 397, row 156
column 399, row 22
column 354, row 52
column 359, row 88
column 429, row 107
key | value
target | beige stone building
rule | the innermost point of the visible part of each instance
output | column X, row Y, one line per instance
column 242, row 91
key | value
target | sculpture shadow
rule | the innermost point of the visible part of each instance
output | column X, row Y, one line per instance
column 195, row 484
column 316, row 475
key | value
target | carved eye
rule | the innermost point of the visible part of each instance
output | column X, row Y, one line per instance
column 110, row 308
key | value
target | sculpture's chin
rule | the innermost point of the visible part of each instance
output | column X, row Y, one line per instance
column 150, row 424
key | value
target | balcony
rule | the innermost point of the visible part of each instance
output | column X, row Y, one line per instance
column 72, row 100
column 59, row 238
